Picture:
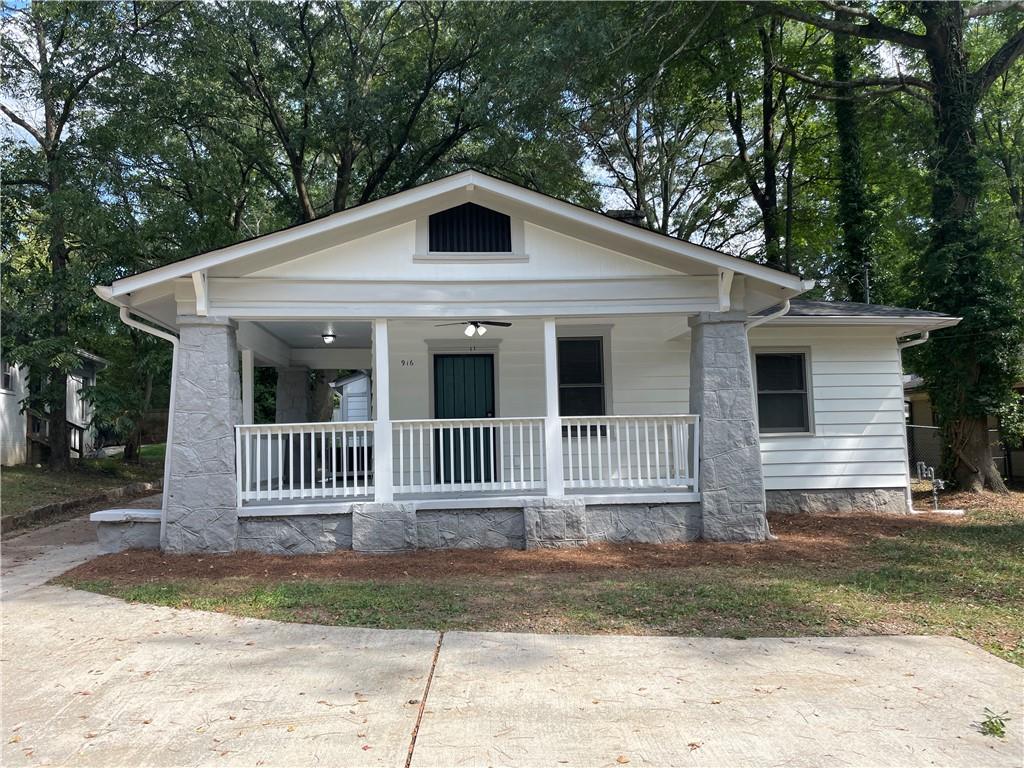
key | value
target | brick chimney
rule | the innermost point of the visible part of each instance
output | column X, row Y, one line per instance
column 629, row 216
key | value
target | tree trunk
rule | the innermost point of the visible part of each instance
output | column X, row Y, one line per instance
column 770, row 206
column 854, row 251
column 57, row 378
column 973, row 463
column 322, row 405
column 132, row 446
column 954, row 267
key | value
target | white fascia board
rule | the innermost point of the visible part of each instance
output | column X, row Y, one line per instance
column 206, row 261
column 640, row 235
column 467, row 179
column 903, row 324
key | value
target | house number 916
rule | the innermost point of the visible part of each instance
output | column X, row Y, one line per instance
column 408, row 363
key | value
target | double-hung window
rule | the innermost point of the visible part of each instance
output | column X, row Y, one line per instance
column 581, row 377
column 783, row 401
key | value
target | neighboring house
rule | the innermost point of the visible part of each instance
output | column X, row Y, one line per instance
column 542, row 375
column 925, row 444
column 13, row 423
column 24, row 436
column 354, row 397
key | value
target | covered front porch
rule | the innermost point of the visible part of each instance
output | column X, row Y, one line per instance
column 474, row 422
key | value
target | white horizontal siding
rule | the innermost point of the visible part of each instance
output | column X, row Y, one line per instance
column 857, row 404
column 13, row 441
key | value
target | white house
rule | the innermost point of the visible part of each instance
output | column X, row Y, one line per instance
column 542, row 375
column 23, row 437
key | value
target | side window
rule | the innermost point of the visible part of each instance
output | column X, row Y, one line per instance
column 8, row 374
column 581, row 377
column 783, row 403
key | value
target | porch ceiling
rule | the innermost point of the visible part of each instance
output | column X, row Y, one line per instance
column 308, row 334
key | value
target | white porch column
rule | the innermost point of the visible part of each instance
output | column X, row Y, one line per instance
column 383, row 481
column 552, row 421
column 248, row 416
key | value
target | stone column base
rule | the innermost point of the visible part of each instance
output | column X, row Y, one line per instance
column 383, row 527
column 555, row 522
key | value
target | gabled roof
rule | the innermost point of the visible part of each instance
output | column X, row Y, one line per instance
column 361, row 220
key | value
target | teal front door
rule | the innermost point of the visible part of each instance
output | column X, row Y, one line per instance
column 464, row 389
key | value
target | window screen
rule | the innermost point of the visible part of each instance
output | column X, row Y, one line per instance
column 470, row 228
column 782, row 392
column 580, row 377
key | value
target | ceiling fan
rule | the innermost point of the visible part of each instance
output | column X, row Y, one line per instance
column 476, row 326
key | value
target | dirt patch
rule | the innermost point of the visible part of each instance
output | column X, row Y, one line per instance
column 821, row 539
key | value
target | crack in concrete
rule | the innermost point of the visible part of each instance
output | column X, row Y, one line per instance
column 423, row 700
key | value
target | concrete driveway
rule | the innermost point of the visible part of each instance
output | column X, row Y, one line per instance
column 89, row 680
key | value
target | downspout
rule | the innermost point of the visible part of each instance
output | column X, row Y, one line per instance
column 131, row 323
column 912, row 343
column 900, row 346
column 753, row 393
column 760, row 320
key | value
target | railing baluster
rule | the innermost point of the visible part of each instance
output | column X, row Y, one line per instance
column 659, row 450
column 258, row 478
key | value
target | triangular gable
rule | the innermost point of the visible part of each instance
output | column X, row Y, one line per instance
column 613, row 236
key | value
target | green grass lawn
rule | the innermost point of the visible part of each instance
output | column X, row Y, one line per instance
column 931, row 576
column 26, row 486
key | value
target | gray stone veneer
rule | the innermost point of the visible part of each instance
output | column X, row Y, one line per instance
column 893, row 500
column 129, row 534
column 201, row 512
column 295, row 535
column 555, row 522
column 721, row 392
column 470, row 529
column 383, row 527
column 651, row 524
column 291, row 397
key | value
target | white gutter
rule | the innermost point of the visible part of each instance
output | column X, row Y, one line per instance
column 759, row 320
column 913, row 342
column 132, row 323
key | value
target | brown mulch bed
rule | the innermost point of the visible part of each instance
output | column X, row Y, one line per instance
column 820, row 539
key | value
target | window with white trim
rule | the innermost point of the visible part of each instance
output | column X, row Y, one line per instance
column 783, row 397
column 581, row 376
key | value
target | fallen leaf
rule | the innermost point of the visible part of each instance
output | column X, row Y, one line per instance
column 14, row 739
column 622, row 759
column 695, row 745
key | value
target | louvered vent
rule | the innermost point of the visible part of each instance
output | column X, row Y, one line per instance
column 470, row 228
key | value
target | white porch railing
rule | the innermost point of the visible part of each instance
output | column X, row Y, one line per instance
column 432, row 457
column 285, row 462
column 633, row 452
column 464, row 455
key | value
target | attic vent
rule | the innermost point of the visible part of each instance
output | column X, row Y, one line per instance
column 470, row 228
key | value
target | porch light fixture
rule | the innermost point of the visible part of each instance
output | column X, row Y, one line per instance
column 328, row 338
column 474, row 327
column 470, row 330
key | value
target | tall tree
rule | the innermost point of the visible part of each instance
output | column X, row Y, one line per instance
column 969, row 370
column 57, row 57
